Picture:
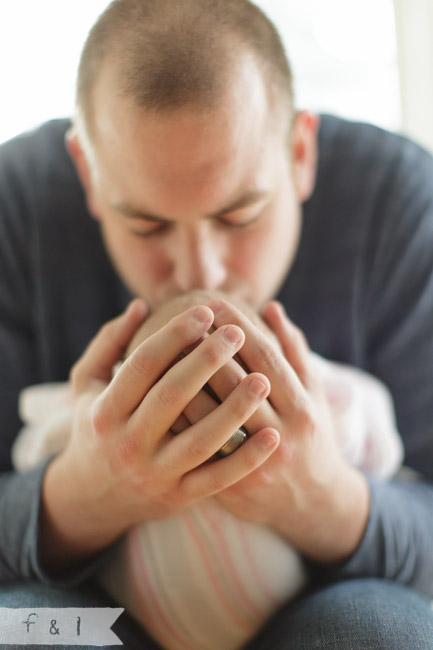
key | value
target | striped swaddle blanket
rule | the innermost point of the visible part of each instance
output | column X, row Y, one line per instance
column 204, row 579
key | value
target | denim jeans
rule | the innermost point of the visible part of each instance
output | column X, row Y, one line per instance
column 364, row 614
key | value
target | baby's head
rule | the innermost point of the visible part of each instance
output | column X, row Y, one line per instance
column 160, row 317
column 179, row 304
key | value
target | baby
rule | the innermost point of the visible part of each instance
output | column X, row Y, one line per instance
column 205, row 579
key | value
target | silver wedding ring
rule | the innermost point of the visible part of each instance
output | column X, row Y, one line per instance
column 237, row 439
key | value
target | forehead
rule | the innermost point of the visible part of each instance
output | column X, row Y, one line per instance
column 188, row 150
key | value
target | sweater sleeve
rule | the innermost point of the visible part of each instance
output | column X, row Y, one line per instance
column 20, row 501
column 397, row 541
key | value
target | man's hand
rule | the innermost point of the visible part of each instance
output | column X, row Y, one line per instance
column 122, row 465
column 305, row 490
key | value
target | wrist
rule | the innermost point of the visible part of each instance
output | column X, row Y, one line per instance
column 341, row 520
column 333, row 519
column 70, row 530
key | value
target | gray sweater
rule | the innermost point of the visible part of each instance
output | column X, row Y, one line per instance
column 361, row 288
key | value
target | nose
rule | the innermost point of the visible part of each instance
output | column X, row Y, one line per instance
column 198, row 261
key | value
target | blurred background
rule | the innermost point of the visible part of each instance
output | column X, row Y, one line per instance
column 369, row 61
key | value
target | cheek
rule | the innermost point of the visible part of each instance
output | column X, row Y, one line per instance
column 267, row 248
column 263, row 258
column 148, row 260
column 245, row 255
column 283, row 238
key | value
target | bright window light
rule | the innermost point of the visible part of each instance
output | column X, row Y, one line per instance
column 344, row 56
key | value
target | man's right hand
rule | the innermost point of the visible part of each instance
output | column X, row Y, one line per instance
column 122, row 465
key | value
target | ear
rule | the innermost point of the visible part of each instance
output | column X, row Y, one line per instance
column 304, row 153
column 76, row 152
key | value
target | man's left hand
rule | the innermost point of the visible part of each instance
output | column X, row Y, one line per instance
column 305, row 490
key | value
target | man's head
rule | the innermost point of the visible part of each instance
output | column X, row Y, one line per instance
column 165, row 54
column 186, row 149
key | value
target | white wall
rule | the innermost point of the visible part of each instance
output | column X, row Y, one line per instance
column 415, row 45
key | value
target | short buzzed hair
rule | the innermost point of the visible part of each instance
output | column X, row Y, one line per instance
column 169, row 53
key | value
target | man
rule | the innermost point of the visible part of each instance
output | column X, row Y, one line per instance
column 194, row 166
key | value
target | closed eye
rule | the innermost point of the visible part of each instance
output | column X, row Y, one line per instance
column 232, row 223
column 155, row 229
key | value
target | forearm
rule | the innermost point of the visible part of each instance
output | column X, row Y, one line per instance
column 72, row 527
column 398, row 538
column 20, row 501
column 19, row 522
column 19, row 541
column 331, row 518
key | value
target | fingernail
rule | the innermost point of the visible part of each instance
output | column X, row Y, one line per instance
column 202, row 314
column 233, row 334
column 257, row 387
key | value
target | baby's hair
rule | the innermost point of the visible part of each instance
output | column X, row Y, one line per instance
column 167, row 310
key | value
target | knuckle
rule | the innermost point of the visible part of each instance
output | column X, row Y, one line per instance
column 127, row 449
column 240, row 407
column 305, row 419
column 200, row 449
column 178, row 326
column 185, row 328
column 144, row 480
column 186, row 492
column 263, row 477
column 169, row 394
column 99, row 418
column 142, row 363
column 250, row 461
column 308, row 376
column 174, row 499
column 216, row 483
column 266, row 357
column 212, row 351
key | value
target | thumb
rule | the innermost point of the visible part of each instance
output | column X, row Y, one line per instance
column 107, row 348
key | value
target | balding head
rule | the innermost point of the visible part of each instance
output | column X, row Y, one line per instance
column 165, row 54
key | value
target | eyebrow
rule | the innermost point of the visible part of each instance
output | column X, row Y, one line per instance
column 254, row 196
